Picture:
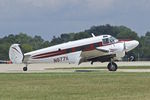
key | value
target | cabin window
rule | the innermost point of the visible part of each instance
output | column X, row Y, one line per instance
column 96, row 45
column 106, row 41
column 69, row 50
column 83, row 47
column 86, row 47
column 78, row 48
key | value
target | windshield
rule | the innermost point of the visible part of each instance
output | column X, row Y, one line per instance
column 109, row 40
column 112, row 39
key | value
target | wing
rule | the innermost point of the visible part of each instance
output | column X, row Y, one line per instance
column 75, row 57
column 94, row 53
column 103, row 58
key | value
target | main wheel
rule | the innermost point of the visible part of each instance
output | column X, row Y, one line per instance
column 112, row 66
column 25, row 68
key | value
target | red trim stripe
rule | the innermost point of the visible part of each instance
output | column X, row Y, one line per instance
column 61, row 52
column 50, row 54
column 16, row 49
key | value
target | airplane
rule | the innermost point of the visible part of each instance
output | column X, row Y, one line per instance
column 103, row 48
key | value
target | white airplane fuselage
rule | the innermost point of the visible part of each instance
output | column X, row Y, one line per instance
column 72, row 52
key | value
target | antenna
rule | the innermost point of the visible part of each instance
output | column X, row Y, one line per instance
column 93, row 34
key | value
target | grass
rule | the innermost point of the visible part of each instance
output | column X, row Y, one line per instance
column 75, row 86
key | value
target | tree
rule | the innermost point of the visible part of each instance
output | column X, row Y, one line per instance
column 26, row 48
column 126, row 33
column 103, row 29
column 147, row 33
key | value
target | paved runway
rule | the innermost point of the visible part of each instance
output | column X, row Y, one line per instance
column 35, row 68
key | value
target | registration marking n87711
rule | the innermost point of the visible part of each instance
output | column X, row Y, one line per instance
column 61, row 59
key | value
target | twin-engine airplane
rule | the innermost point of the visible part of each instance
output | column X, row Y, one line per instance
column 104, row 48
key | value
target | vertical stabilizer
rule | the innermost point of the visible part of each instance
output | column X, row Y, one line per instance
column 15, row 54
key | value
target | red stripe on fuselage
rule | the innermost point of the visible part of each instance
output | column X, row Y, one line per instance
column 50, row 54
column 61, row 52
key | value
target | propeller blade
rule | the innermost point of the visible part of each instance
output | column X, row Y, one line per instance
column 124, row 46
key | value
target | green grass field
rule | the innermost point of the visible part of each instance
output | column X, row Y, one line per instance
column 101, row 85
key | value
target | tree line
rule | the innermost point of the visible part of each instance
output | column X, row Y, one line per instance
column 29, row 43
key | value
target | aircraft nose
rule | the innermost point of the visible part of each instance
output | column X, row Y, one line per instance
column 135, row 43
column 131, row 44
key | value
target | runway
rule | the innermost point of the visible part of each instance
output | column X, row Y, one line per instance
column 85, row 67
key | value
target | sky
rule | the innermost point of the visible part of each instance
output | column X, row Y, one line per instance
column 49, row 18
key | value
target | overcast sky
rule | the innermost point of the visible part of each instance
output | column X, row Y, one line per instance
column 53, row 17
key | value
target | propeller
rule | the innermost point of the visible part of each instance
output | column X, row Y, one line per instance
column 124, row 47
column 130, row 57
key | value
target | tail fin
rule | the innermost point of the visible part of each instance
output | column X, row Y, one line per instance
column 15, row 54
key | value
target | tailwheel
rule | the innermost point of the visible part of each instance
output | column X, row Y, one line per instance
column 25, row 68
column 112, row 66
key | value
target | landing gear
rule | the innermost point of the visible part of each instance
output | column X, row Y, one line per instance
column 25, row 68
column 92, row 62
column 112, row 66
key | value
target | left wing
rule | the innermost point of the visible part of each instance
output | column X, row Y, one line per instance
column 75, row 57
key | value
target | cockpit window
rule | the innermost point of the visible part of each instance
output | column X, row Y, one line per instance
column 109, row 40
column 113, row 40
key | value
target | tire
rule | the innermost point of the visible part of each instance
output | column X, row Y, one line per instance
column 112, row 66
column 25, row 68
